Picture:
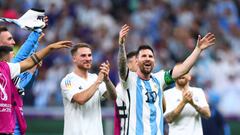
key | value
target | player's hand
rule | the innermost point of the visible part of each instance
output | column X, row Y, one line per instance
column 60, row 44
column 41, row 37
column 206, row 41
column 45, row 19
column 105, row 68
column 100, row 77
column 187, row 96
column 123, row 33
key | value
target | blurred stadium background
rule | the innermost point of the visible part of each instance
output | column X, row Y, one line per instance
column 170, row 26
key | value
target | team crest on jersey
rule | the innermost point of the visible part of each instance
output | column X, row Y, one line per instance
column 151, row 96
column 68, row 84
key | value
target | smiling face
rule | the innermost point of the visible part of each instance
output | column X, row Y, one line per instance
column 6, row 38
column 145, row 60
column 83, row 58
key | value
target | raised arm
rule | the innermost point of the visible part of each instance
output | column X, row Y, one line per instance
column 27, row 78
column 27, row 47
column 122, row 56
column 30, row 45
column 36, row 58
column 202, row 43
column 111, row 91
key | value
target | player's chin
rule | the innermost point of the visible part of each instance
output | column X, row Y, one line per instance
column 87, row 66
column 147, row 71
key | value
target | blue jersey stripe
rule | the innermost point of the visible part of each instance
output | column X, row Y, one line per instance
column 151, row 97
column 139, row 108
column 160, row 104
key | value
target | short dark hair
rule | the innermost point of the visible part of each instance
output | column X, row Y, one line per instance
column 144, row 47
column 79, row 45
column 131, row 54
column 4, row 50
column 3, row 28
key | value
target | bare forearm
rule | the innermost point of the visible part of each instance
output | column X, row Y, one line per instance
column 29, row 63
column 111, row 91
column 183, row 68
column 82, row 97
column 122, row 61
column 203, row 111
column 171, row 116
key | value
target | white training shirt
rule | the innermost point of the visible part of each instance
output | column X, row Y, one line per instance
column 14, row 69
column 81, row 119
column 189, row 120
column 143, row 101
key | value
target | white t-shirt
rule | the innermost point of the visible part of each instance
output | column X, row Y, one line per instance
column 143, row 101
column 81, row 119
column 189, row 120
column 14, row 69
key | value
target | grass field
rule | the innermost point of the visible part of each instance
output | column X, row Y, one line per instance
column 48, row 126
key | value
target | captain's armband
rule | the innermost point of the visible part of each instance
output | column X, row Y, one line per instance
column 168, row 77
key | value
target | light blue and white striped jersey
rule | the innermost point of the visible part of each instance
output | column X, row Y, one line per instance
column 143, row 100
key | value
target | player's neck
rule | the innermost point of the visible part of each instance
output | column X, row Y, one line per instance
column 80, row 72
column 181, row 88
column 143, row 76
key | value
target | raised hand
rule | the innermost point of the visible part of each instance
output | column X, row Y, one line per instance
column 123, row 33
column 45, row 19
column 60, row 44
column 41, row 37
column 206, row 41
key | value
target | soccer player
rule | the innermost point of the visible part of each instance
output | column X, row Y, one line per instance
column 24, row 80
column 146, row 89
column 10, row 99
column 82, row 92
column 184, row 107
column 120, row 108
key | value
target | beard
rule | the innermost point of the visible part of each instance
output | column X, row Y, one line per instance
column 182, row 82
column 85, row 66
column 146, row 70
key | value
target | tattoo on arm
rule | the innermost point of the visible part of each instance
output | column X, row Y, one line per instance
column 170, row 116
column 122, row 62
column 111, row 92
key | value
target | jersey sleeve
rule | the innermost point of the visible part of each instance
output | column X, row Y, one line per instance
column 165, row 77
column 14, row 69
column 68, row 89
column 202, row 98
column 28, row 47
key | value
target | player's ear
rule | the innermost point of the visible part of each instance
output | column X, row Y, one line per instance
column 189, row 77
column 74, row 58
